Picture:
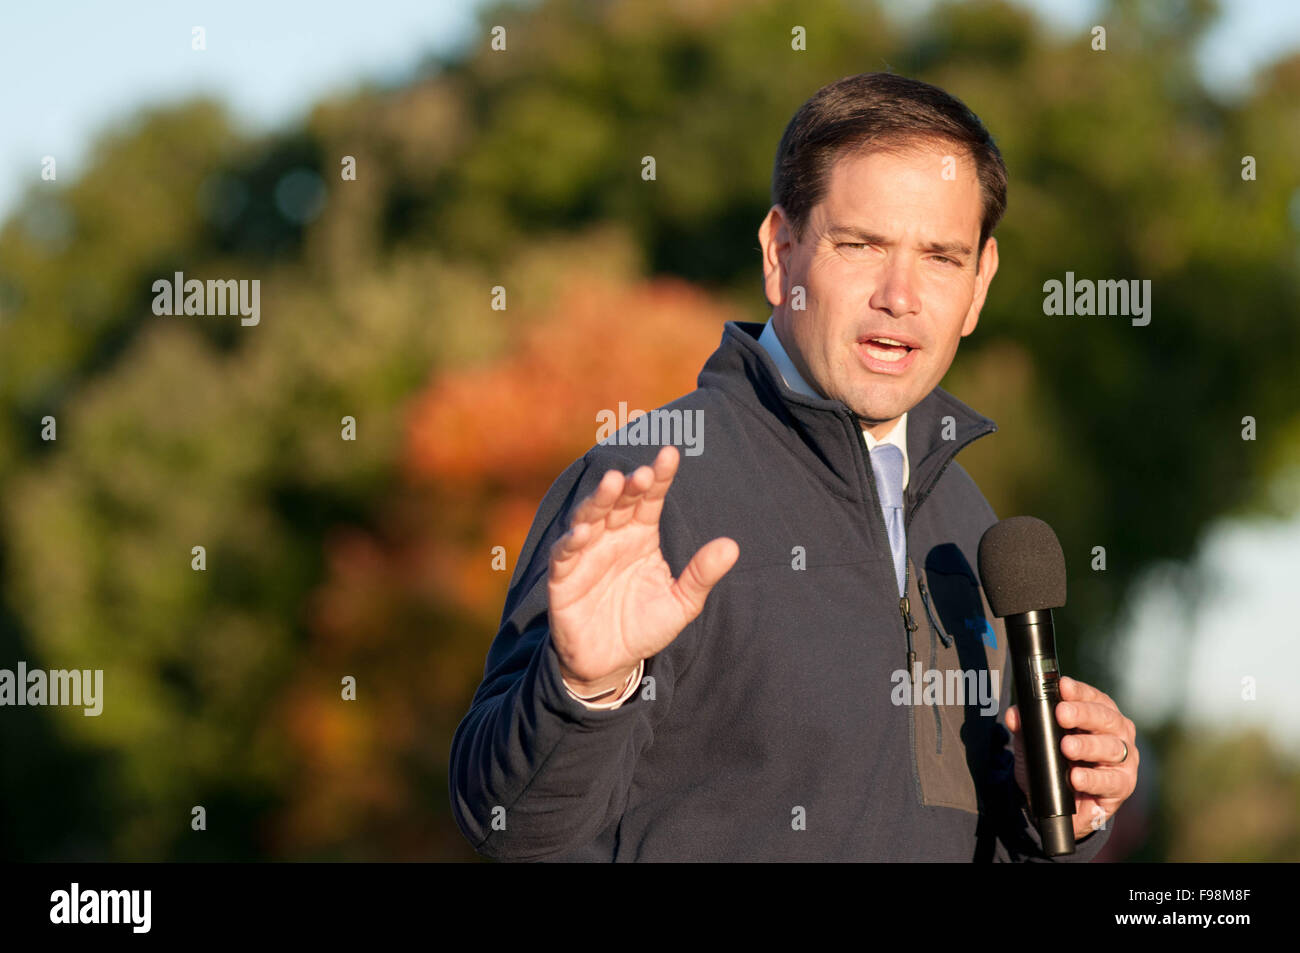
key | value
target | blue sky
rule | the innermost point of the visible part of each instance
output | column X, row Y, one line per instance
column 70, row 70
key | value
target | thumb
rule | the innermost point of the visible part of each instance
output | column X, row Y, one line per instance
column 713, row 561
column 1013, row 719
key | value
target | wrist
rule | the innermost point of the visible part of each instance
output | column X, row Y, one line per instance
column 601, row 688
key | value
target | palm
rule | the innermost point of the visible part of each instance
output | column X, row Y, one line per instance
column 613, row 599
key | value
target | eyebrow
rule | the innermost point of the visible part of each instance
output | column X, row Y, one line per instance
column 957, row 249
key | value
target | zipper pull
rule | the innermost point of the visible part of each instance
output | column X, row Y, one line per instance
column 905, row 609
column 909, row 624
column 925, row 599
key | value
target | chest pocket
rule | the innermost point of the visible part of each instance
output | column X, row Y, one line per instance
column 963, row 670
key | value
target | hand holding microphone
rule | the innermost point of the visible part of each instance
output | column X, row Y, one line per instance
column 1074, row 781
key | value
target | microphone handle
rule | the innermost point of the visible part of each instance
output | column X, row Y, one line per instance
column 1032, row 645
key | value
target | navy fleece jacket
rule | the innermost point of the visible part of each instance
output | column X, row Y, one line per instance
column 788, row 722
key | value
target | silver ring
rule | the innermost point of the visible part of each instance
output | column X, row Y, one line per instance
column 1125, row 758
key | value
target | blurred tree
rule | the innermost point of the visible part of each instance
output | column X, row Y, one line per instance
column 406, row 606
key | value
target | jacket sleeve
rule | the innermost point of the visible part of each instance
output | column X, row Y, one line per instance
column 534, row 773
column 1018, row 839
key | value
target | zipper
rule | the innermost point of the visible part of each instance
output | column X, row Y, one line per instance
column 934, row 660
column 935, row 482
column 904, row 604
column 934, row 623
column 909, row 624
column 935, row 628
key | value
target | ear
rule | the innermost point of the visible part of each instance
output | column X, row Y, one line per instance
column 774, row 242
column 988, row 267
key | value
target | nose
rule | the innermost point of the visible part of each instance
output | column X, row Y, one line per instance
column 895, row 292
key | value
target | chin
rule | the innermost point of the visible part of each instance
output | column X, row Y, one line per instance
column 876, row 415
column 879, row 411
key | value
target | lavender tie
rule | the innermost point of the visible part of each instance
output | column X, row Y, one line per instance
column 887, row 465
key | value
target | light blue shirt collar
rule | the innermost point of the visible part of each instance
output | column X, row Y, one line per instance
column 795, row 381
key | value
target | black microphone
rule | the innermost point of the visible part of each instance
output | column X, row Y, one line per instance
column 1023, row 570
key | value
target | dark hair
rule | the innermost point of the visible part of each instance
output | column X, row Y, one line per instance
column 884, row 111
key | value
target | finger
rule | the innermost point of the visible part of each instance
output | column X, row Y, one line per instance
column 1013, row 719
column 586, row 525
column 1091, row 716
column 566, row 549
column 1099, row 782
column 652, row 503
column 1090, row 816
column 703, row 572
column 1099, row 749
column 1073, row 690
column 596, row 507
column 638, row 481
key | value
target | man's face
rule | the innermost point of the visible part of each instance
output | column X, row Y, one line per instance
column 889, row 253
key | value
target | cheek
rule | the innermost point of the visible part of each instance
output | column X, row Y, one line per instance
column 833, row 274
column 949, row 303
column 840, row 294
column 942, row 354
column 953, row 295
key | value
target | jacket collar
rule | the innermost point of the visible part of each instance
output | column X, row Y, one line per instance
column 825, row 432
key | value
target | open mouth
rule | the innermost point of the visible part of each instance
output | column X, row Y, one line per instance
column 889, row 350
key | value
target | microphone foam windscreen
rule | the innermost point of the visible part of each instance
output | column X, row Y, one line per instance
column 1022, row 566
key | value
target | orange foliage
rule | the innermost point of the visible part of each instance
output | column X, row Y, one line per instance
column 410, row 608
column 517, row 420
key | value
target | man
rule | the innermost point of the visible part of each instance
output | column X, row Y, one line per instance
column 722, row 658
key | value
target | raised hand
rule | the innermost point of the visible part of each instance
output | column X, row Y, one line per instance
column 613, row 599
